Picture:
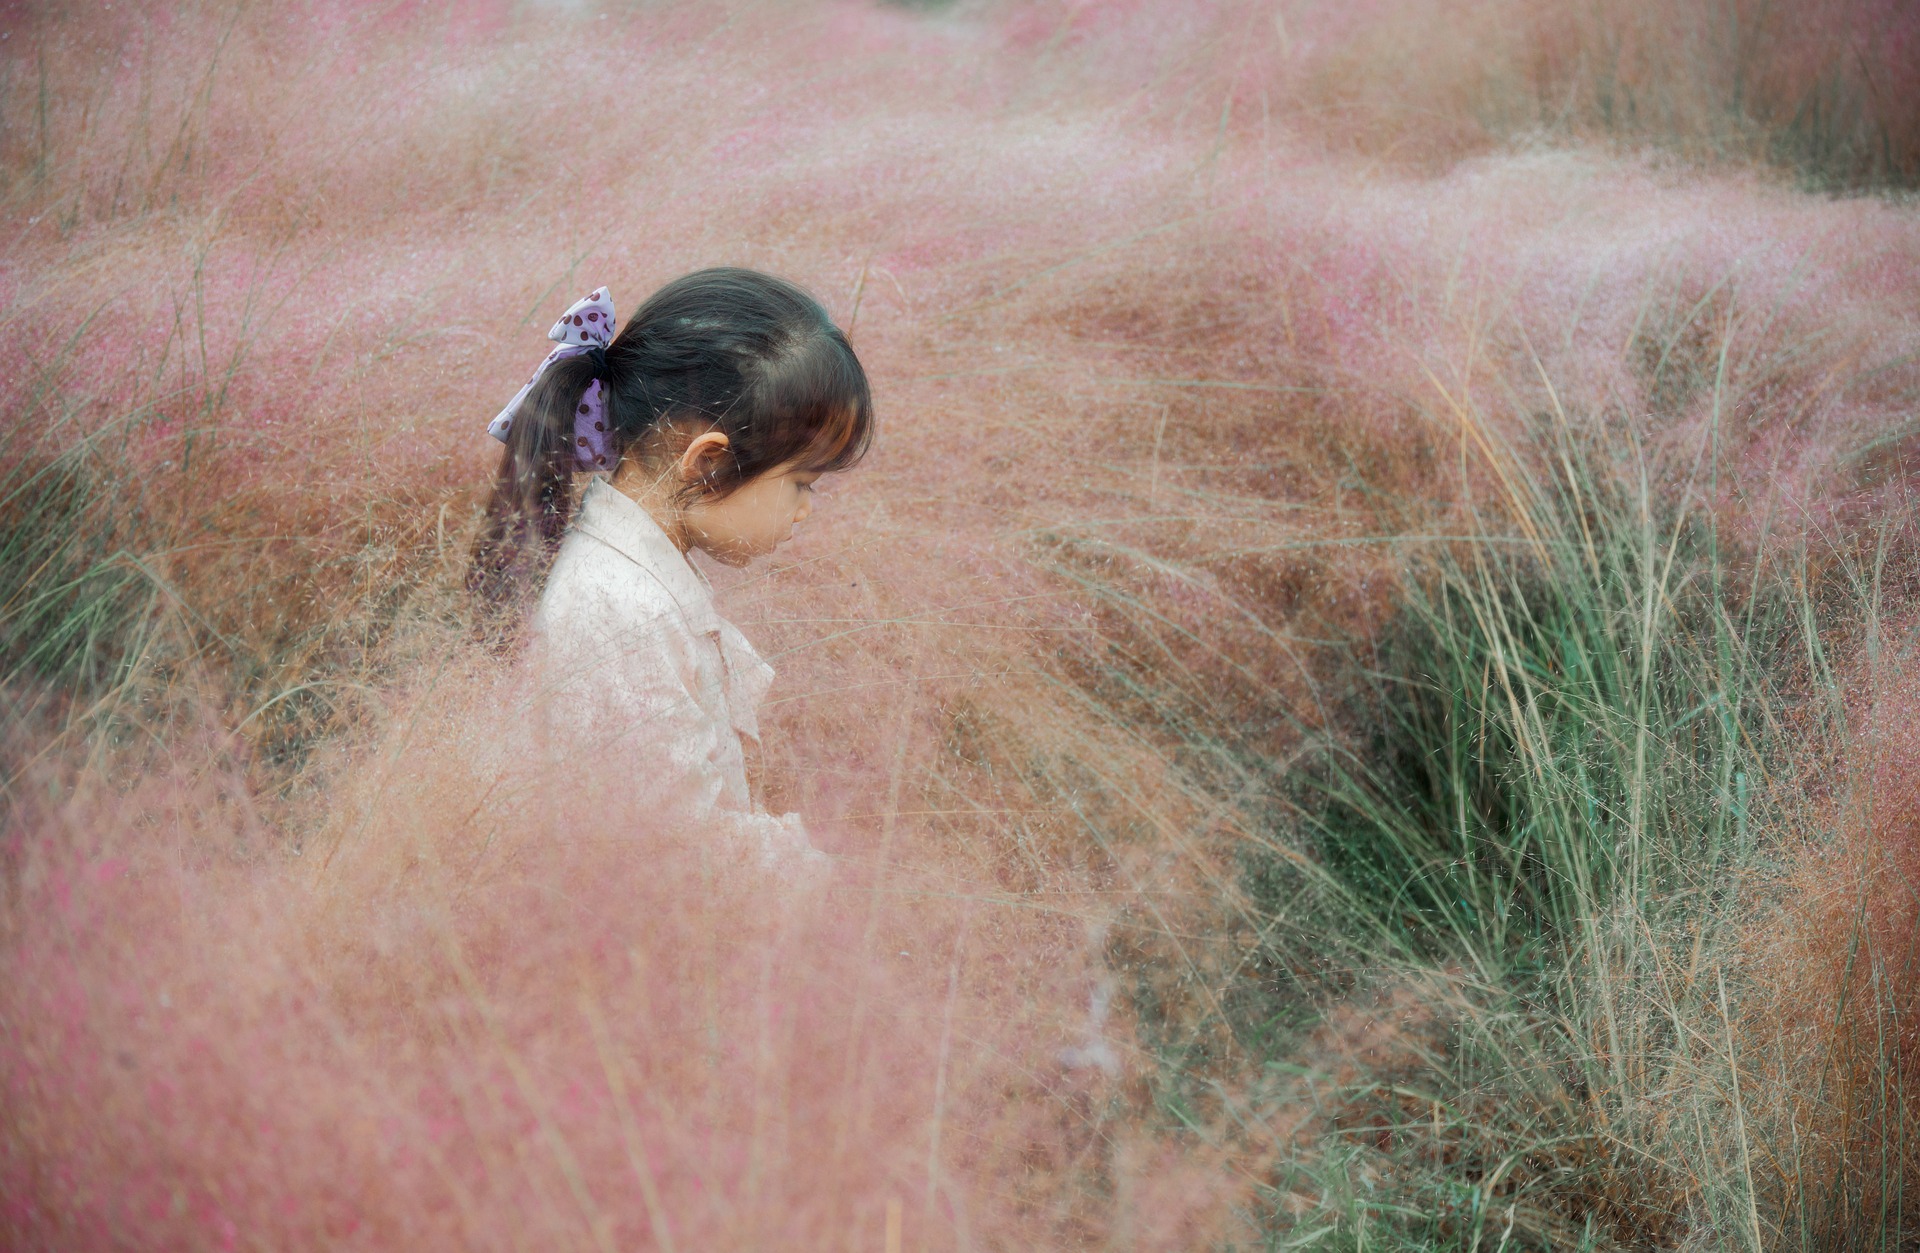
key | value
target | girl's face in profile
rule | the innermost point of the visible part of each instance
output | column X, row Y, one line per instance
column 755, row 519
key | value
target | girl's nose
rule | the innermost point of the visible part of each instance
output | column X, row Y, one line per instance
column 806, row 508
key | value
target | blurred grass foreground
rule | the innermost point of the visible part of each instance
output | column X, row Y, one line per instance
column 1366, row 697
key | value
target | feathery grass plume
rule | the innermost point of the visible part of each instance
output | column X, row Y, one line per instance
column 489, row 1003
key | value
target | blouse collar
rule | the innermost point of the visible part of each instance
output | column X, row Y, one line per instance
column 618, row 521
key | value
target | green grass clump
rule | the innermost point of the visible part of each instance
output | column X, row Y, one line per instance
column 1494, row 900
column 1552, row 780
column 1563, row 723
column 73, row 596
column 1538, row 828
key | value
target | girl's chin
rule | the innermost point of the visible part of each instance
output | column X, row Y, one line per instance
column 742, row 552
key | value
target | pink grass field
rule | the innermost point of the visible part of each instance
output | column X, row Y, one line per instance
column 1169, row 309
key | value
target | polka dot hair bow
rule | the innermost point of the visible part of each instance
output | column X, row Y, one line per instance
column 586, row 324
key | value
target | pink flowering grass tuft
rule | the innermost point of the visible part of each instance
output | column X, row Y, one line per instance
column 486, row 1006
column 1194, row 329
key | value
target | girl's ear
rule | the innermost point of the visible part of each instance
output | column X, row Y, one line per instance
column 702, row 457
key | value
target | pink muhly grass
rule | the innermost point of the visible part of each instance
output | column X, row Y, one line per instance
column 491, row 1010
column 1173, row 312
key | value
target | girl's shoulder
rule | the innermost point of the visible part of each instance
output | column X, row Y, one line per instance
column 596, row 586
column 615, row 560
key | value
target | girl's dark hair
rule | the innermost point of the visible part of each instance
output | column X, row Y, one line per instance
column 728, row 349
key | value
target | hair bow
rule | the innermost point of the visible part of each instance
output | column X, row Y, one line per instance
column 587, row 323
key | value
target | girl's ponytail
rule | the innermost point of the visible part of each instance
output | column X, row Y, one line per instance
column 533, row 493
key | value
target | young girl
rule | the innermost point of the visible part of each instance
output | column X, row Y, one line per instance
column 702, row 424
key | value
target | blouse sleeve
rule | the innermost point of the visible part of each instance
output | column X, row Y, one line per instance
column 628, row 687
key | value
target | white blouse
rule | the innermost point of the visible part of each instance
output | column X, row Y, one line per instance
column 632, row 652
